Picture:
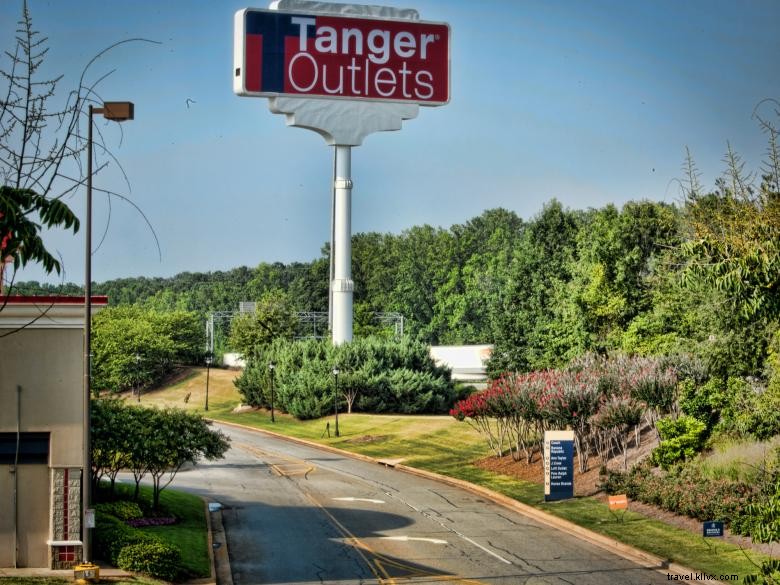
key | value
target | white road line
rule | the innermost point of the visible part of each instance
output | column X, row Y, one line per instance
column 450, row 529
column 369, row 500
column 487, row 550
column 408, row 538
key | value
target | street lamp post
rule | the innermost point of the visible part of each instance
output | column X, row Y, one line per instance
column 208, row 369
column 336, row 396
column 272, row 367
column 118, row 112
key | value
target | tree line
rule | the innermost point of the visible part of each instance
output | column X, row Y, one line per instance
column 648, row 278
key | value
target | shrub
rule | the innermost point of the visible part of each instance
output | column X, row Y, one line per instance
column 377, row 375
column 703, row 402
column 618, row 482
column 121, row 509
column 112, row 535
column 761, row 419
column 152, row 558
column 681, row 439
column 686, row 491
column 599, row 398
column 773, row 362
column 737, row 406
column 106, row 529
column 463, row 391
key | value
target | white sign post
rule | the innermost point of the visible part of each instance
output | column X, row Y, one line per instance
column 344, row 71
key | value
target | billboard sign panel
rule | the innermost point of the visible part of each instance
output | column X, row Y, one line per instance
column 334, row 56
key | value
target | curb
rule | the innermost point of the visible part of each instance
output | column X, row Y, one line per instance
column 642, row 558
column 212, row 578
column 210, row 541
column 219, row 550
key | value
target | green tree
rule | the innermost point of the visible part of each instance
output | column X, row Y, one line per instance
column 173, row 437
column 734, row 239
column 467, row 303
column 529, row 300
column 422, row 259
column 21, row 239
column 374, row 270
column 30, row 160
column 714, row 292
column 185, row 330
column 617, row 253
column 111, row 439
column 149, row 441
column 274, row 318
column 135, row 347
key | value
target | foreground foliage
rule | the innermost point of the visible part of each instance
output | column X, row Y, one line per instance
column 176, row 551
column 152, row 558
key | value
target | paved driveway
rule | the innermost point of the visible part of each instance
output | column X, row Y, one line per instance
column 296, row 514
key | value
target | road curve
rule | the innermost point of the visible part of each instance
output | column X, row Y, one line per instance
column 295, row 514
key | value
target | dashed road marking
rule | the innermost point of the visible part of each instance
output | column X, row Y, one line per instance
column 369, row 500
column 414, row 538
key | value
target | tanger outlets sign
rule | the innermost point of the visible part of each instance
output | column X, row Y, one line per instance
column 558, row 465
column 323, row 55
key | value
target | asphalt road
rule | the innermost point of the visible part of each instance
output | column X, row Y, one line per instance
column 295, row 514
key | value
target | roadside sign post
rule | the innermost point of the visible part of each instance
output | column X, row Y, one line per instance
column 712, row 529
column 616, row 503
column 344, row 71
column 558, row 465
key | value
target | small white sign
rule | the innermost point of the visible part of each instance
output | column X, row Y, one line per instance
column 89, row 518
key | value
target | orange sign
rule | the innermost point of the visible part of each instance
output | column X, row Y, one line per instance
column 619, row 502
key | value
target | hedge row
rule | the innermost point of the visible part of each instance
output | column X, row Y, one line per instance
column 375, row 375
column 685, row 490
column 603, row 400
column 131, row 549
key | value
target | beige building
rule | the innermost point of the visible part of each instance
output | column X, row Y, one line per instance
column 41, row 430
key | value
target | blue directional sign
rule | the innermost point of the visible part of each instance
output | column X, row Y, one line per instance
column 559, row 465
column 712, row 529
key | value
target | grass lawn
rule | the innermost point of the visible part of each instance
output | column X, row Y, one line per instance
column 443, row 445
column 189, row 535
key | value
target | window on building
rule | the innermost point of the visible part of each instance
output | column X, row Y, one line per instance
column 32, row 447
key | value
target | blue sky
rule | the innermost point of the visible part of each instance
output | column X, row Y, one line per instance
column 588, row 102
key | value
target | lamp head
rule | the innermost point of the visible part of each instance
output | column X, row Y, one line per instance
column 118, row 111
